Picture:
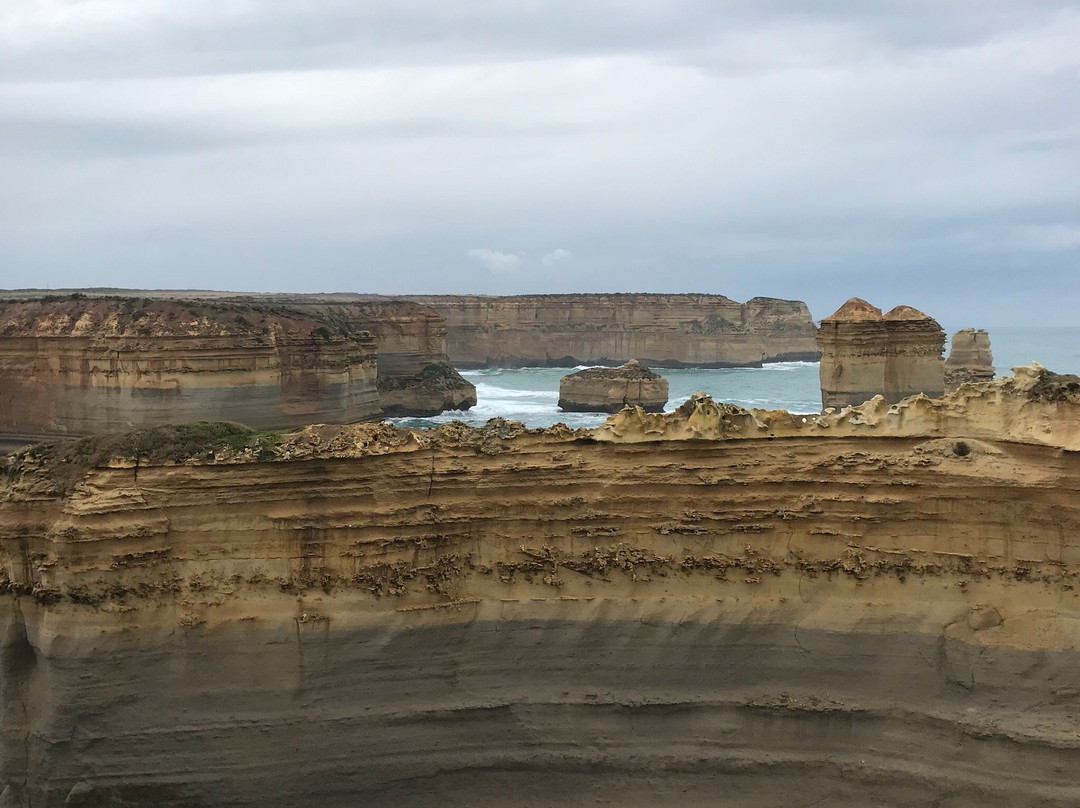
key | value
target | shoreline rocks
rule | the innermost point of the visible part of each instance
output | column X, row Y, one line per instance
column 611, row 389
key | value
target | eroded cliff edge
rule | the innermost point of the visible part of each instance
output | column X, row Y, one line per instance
column 877, row 604
column 661, row 330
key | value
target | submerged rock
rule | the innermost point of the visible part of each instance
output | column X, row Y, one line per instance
column 611, row 389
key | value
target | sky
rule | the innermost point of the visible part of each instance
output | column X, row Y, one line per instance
column 924, row 152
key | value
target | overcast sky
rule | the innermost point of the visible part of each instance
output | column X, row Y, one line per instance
column 923, row 152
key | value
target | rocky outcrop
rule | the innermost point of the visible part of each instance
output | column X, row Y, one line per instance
column 611, row 389
column 79, row 366
column 661, row 330
column 874, row 606
column 865, row 353
column 970, row 359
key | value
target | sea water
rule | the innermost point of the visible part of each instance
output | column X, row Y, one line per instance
column 531, row 395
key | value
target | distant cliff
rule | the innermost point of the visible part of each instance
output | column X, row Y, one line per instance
column 414, row 376
column 661, row 330
column 78, row 366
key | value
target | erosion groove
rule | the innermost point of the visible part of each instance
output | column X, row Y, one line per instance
column 669, row 609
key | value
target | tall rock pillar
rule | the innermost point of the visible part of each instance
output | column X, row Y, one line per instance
column 865, row 353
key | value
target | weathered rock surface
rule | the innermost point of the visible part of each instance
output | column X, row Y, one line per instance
column 970, row 358
column 878, row 606
column 865, row 353
column 661, row 330
column 80, row 366
column 611, row 389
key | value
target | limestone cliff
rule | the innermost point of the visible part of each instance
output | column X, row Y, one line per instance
column 79, row 366
column 414, row 375
column 662, row 330
column 877, row 606
column 866, row 353
column 970, row 358
column 610, row 389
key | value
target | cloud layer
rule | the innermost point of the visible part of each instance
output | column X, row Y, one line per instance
column 923, row 152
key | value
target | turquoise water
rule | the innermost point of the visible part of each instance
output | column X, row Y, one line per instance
column 531, row 395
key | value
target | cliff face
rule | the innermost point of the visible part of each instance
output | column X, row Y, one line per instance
column 415, row 376
column 970, row 358
column 865, row 353
column 610, row 389
column 83, row 366
column 660, row 330
column 875, row 606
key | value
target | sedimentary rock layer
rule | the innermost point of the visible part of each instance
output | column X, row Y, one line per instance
column 611, row 389
column 661, row 330
column 414, row 375
column 865, row 353
column 970, row 358
column 79, row 366
column 880, row 606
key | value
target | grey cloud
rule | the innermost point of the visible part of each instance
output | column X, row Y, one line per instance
column 777, row 147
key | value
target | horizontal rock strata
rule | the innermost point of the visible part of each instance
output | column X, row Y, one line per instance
column 661, row 330
column 865, row 353
column 874, row 606
column 79, row 366
column 414, row 376
column 611, row 389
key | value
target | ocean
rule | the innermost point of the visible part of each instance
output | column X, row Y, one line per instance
column 531, row 395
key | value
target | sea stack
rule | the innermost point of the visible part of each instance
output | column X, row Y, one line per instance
column 865, row 353
column 611, row 389
column 970, row 358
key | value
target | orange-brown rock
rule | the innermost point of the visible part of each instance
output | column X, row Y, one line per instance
column 662, row 330
column 875, row 606
column 611, row 389
column 78, row 365
column 865, row 353
column 970, row 359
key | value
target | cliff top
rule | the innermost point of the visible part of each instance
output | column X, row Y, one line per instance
column 1035, row 406
column 631, row 371
column 857, row 310
column 81, row 316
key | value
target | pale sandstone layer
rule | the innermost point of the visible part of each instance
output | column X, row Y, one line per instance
column 611, row 389
column 414, row 376
column 661, row 330
column 866, row 353
column 878, row 606
column 970, row 358
column 79, row 366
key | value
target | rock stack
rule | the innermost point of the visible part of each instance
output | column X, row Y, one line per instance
column 611, row 389
column 970, row 359
column 865, row 353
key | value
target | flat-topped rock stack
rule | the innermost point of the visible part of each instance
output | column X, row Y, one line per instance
column 970, row 358
column 865, row 353
column 611, row 389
